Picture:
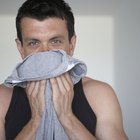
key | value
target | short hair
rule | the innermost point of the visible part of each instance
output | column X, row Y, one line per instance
column 43, row 9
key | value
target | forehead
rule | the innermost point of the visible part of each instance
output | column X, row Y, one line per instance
column 47, row 26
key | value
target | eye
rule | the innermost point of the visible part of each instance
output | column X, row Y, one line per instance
column 56, row 42
column 33, row 43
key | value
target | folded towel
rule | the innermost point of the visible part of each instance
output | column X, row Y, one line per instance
column 45, row 65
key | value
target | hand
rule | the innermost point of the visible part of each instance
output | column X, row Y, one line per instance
column 63, row 93
column 35, row 92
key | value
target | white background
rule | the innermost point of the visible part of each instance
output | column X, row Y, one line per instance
column 108, row 41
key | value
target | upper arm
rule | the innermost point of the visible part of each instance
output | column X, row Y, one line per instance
column 109, row 116
column 2, row 130
column 5, row 97
column 104, row 103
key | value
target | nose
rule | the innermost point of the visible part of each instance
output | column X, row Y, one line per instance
column 44, row 48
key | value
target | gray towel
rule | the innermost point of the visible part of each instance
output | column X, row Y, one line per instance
column 45, row 65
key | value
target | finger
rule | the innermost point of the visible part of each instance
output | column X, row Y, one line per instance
column 41, row 95
column 41, row 88
column 35, row 90
column 42, row 85
column 30, row 87
column 55, row 89
column 61, row 83
column 67, row 75
column 67, row 82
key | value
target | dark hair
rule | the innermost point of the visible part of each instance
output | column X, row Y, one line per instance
column 42, row 9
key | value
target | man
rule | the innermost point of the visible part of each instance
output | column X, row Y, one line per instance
column 44, row 25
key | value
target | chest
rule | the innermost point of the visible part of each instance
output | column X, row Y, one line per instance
column 19, row 112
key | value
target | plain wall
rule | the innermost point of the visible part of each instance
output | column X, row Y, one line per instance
column 127, row 64
column 8, row 53
column 107, row 42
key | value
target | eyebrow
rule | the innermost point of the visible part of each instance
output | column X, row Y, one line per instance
column 27, row 39
column 51, row 38
column 57, row 36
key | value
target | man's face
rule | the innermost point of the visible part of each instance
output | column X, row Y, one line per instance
column 44, row 35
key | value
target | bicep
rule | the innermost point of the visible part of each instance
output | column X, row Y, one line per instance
column 109, row 116
column 104, row 103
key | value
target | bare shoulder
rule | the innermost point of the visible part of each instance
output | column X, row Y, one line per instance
column 96, row 87
column 5, row 98
column 101, row 96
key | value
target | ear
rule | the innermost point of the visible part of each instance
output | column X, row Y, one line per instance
column 72, row 44
column 20, row 47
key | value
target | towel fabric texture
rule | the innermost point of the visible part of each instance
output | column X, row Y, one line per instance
column 45, row 65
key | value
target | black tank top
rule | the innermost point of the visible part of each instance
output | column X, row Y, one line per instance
column 19, row 112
